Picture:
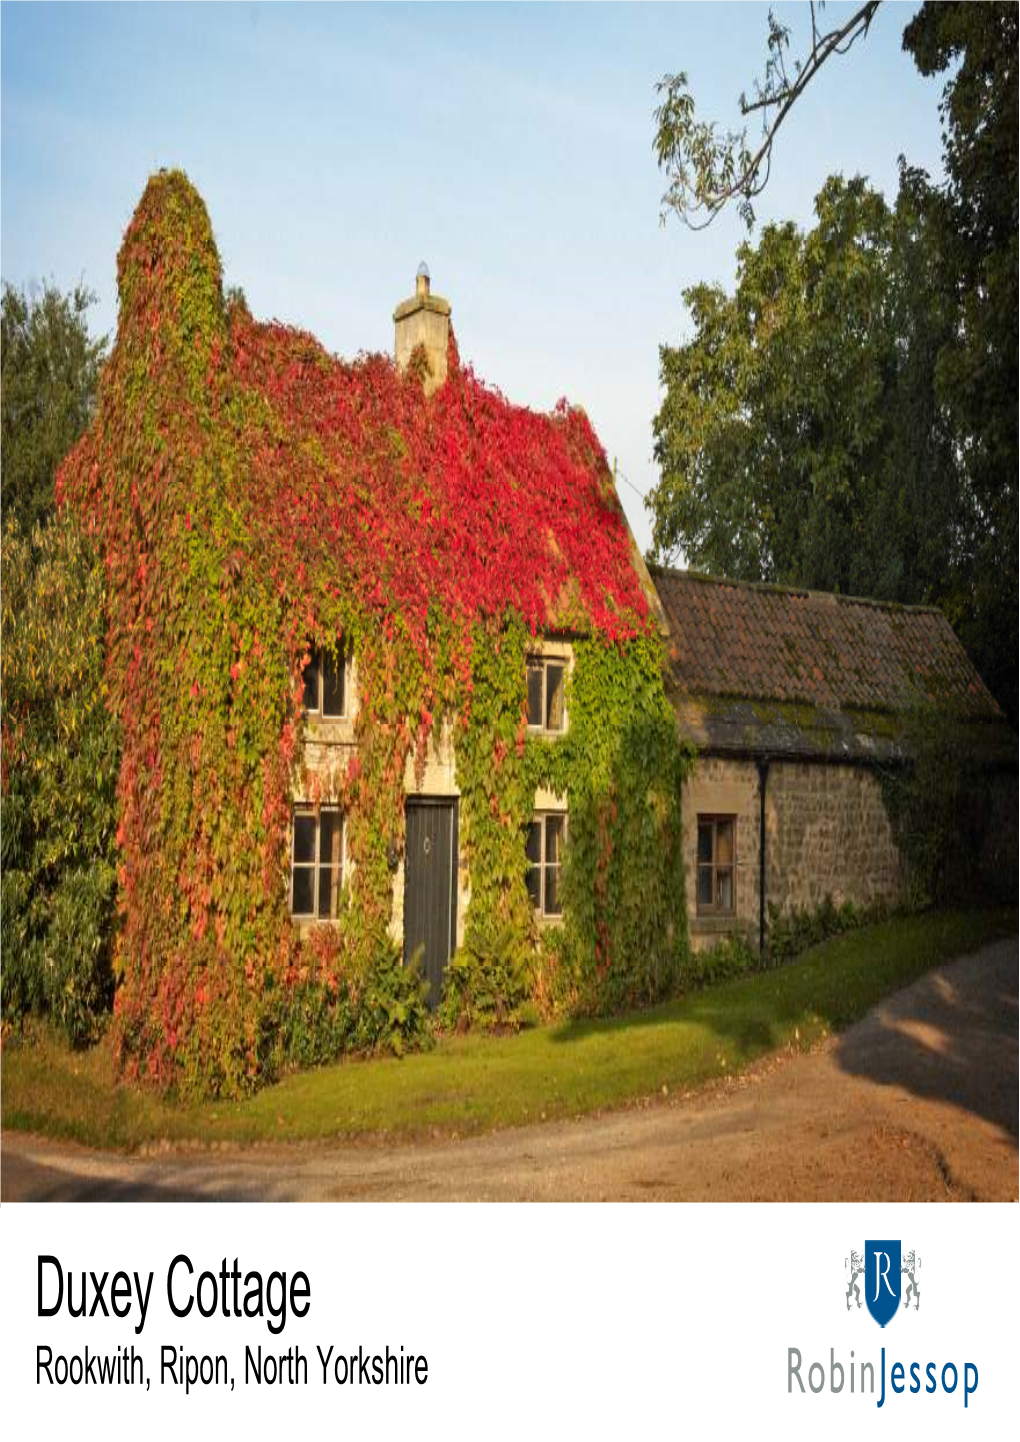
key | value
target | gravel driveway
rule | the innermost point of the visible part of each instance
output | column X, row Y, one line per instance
column 916, row 1102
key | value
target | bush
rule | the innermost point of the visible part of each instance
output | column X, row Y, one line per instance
column 60, row 764
column 795, row 931
column 939, row 805
column 344, row 1011
column 728, row 958
column 317, row 1025
column 489, row 985
column 393, row 1013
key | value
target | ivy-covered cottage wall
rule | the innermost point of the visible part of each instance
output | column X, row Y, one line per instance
column 619, row 767
column 255, row 499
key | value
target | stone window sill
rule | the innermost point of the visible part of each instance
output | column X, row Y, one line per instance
column 713, row 925
column 336, row 731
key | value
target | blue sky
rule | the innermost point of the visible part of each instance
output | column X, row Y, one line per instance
column 509, row 147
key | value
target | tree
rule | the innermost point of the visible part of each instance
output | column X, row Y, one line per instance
column 799, row 440
column 50, row 373
column 59, row 781
column 905, row 487
column 60, row 746
column 974, row 219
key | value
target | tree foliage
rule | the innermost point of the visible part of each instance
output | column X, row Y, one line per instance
column 799, row 440
column 848, row 418
column 973, row 219
column 50, row 374
column 949, row 813
column 59, row 780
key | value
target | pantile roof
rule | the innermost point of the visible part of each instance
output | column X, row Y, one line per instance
column 769, row 668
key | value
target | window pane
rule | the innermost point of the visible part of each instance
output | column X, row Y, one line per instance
column 534, row 693
column 724, row 890
column 724, row 843
column 330, row 833
column 704, row 841
column 554, row 692
column 704, row 886
column 310, row 698
column 554, row 838
column 332, row 683
column 304, row 836
column 328, row 888
column 302, row 891
column 553, row 906
column 533, row 850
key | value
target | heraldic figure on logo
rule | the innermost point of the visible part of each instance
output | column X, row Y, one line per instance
column 879, row 1273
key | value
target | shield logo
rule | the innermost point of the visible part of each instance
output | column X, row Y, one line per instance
column 882, row 1279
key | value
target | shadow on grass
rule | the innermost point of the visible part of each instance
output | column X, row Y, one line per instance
column 746, row 1030
column 952, row 1038
column 474, row 1084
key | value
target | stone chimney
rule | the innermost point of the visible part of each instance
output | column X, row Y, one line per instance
column 424, row 321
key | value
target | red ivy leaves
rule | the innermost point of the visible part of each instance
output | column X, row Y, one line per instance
column 462, row 500
column 251, row 493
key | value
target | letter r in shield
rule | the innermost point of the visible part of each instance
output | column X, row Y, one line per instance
column 882, row 1278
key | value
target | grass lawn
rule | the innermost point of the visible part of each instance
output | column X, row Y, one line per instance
column 477, row 1083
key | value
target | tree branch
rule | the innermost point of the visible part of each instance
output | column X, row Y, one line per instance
column 706, row 170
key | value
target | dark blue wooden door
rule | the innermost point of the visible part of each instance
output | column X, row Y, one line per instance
column 430, row 888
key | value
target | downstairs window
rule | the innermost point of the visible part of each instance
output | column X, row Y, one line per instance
column 547, row 834
column 316, row 865
column 716, row 863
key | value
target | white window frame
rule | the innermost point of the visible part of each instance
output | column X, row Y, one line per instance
column 537, row 659
column 316, row 713
column 301, row 808
column 541, row 818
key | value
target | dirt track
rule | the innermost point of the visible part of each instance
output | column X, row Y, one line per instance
column 917, row 1102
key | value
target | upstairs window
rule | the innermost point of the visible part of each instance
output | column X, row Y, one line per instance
column 317, row 863
column 325, row 683
column 547, row 833
column 547, row 681
column 716, row 860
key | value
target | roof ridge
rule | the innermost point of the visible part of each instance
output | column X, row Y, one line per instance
column 776, row 589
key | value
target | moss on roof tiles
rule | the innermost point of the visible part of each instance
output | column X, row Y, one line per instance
column 790, row 645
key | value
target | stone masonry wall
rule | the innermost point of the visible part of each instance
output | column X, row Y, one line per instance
column 826, row 834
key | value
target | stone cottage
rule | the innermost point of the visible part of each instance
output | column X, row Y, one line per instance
column 381, row 644
column 431, row 886
column 388, row 669
column 798, row 704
